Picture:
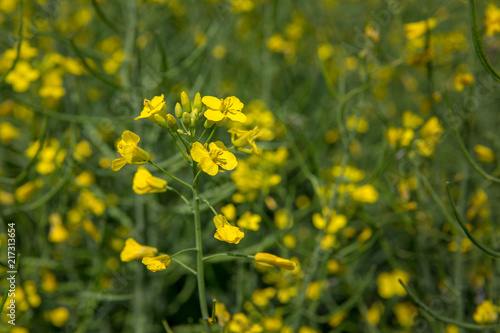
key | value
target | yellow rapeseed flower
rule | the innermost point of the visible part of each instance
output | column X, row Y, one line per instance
column 152, row 107
column 21, row 76
column 221, row 109
column 416, row 29
column 462, row 80
column 484, row 154
column 405, row 313
column 486, row 313
column 227, row 232
column 131, row 154
column 134, row 250
column 144, row 182
column 57, row 231
column 492, row 19
column 8, row 132
column 365, row 193
column 271, row 259
column 388, row 284
column 59, row 316
column 156, row 264
column 249, row 221
column 209, row 162
column 241, row 139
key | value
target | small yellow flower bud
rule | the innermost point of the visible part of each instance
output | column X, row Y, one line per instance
column 134, row 250
column 155, row 264
column 178, row 110
column 208, row 123
column 197, row 101
column 172, row 123
column 160, row 121
column 271, row 259
column 186, row 119
column 186, row 103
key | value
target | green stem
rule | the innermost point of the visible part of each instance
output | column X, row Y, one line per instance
column 200, row 276
column 183, row 251
column 447, row 320
column 179, row 194
column 170, row 175
column 209, row 206
column 211, row 134
column 228, row 255
column 179, row 147
column 202, row 134
column 474, row 240
column 184, row 265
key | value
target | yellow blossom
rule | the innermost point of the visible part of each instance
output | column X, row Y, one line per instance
column 155, row 264
column 8, row 132
column 416, row 29
column 21, row 77
column 313, row 291
column 131, row 154
column 337, row 222
column 221, row 109
column 261, row 297
column 134, row 250
column 209, row 161
column 411, row 120
column 241, row 139
column 85, row 178
column 271, row 259
column 484, row 154
column 144, row 182
column 290, row 241
column 26, row 191
column 155, row 106
column 57, row 232
column 337, row 318
column 405, row 313
column 492, row 19
column 365, row 193
column 462, row 80
column 83, row 150
column 59, row 316
column 249, row 221
column 374, row 312
column 88, row 200
column 91, row 229
column 229, row 211
column 282, row 219
column 486, row 313
column 52, row 85
column 449, row 328
column 226, row 232
column 388, row 284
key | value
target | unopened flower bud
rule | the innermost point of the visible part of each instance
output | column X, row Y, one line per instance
column 197, row 102
column 208, row 123
column 178, row 110
column 186, row 119
column 194, row 118
column 186, row 104
column 172, row 123
column 160, row 121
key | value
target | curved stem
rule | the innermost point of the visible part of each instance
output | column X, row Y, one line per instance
column 170, row 175
column 464, row 150
column 228, row 255
column 478, row 44
column 178, row 146
column 447, row 320
column 184, row 265
column 209, row 206
column 473, row 239
column 183, row 251
column 211, row 134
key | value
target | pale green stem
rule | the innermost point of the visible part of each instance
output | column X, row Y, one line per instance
column 183, row 251
column 210, row 206
column 178, row 146
column 229, row 255
column 184, row 265
column 200, row 276
column 211, row 133
column 170, row 175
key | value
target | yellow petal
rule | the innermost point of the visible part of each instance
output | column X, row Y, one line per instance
column 233, row 103
column 212, row 102
column 230, row 161
column 130, row 137
column 198, row 152
column 118, row 163
column 214, row 115
column 206, row 164
column 238, row 116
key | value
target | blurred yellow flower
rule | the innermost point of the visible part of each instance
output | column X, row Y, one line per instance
column 226, row 232
column 462, row 80
column 83, row 150
column 85, row 178
column 24, row 192
column 492, row 19
column 484, row 154
column 388, row 284
column 59, row 316
column 131, row 154
column 21, row 76
column 336, row 319
column 52, row 85
column 249, row 221
column 261, row 297
column 271, row 259
column 221, row 109
column 152, row 107
column 313, row 291
column 229, row 211
column 374, row 312
column 155, row 264
column 145, row 182
column 365, row 193
column 411, row 120
column 242, row 138
column 416, row 29
column 8, row 132
column 449, row 328
column 57, row 231
column 134, row 250
column 405, row 313
column 209, row 162
column 486, row 313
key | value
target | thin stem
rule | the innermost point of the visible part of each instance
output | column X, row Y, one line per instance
column 200, row 276
column 202, row 134
column 179, row 194
column 183, row 251
column 184, row 265
column 228, row 255
column 211, row 134
column 178, row 146
column 473, row 239
column 184, row 141
column 424, row 307
column 209, row 206
column 170, row 175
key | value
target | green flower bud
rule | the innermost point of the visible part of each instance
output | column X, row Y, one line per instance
column 178, row 110
column 186, row 119
column 172, row 123
column 160, row 121
column 208, row 123
column 186, row 104
column 197, row 102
